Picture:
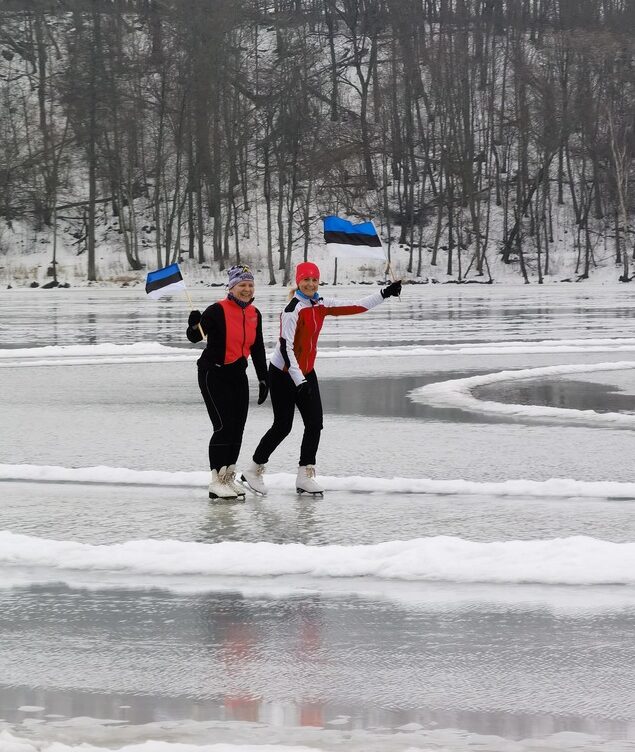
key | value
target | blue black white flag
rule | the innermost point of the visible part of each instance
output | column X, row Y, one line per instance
column 347, row 240
column 165, row 281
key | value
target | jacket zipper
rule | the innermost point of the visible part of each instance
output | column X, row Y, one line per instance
column 314, row 336
column 242, row 352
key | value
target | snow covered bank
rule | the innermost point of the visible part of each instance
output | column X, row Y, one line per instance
column 576, row 560
column 102, row 475
column 459, row 393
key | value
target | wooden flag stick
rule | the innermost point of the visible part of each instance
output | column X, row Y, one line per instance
column 200, row 328
column 388, row 266
column 392, row 274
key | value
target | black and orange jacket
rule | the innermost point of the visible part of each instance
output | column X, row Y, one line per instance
column 233, row 333
column 300, row 326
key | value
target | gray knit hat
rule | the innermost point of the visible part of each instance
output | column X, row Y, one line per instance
column 238, row 274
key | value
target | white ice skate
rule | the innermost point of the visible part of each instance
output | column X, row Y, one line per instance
column 219, row 488
column 253, row 477
column 230, row 480
column 306, row 483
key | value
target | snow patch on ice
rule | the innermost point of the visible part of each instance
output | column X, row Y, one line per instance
column 266, row 739
column 153, row 352
column 104, row 475
column 459, row 393
column 577, row 560
column 10, row 743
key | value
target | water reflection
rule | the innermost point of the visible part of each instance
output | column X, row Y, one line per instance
column 566, row 393
column 317, row 661
column 388, row 397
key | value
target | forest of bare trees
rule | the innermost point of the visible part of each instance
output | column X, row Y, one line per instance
column 460, row 126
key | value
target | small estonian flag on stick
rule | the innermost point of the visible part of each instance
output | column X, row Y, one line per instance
column 165, row 281
column 347, row 240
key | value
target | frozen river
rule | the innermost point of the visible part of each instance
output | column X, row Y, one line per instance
column 467, row 583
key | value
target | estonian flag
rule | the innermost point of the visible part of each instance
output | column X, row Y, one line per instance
column 164, row 281
column 346, row 240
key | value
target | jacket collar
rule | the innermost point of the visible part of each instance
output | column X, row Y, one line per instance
column 241, row 303
column 313, row 299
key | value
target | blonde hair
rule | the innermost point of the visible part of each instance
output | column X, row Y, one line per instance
column 292, row 292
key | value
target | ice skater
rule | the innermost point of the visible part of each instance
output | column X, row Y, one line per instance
column 233, row 328
column 292, row 378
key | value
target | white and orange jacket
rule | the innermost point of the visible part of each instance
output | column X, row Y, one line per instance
column 300, row 325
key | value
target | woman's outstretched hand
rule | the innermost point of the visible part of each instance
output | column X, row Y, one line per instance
column 194, row 319
column 263, row 391
column 392, row 291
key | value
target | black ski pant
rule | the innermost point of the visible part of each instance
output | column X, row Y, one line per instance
column 226, row 393
column 284, row 400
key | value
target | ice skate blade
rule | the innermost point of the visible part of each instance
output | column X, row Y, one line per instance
column 244, row 482
column 225, row 499
column 313, row 494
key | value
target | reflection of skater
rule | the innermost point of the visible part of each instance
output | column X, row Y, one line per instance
column 240, row 652
column 241, row 636
column 293, row 381
column 233, row 328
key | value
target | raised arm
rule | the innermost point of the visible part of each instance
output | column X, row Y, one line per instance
column 335, row 307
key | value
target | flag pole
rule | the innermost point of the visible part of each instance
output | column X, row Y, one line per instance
column 392, row 274
column 200, row 328
column 388, row 266
column 390, row 271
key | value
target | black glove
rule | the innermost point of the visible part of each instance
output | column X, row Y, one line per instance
column 303, row 390
column 392, row 291
column 263, row 391
column 194, row 319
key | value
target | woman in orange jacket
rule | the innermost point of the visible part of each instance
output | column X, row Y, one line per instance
column 233, row 330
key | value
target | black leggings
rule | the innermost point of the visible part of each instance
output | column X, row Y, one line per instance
column 226, row 394
column 284, row 399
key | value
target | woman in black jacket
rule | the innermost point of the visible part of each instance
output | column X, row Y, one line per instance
column 233, row 329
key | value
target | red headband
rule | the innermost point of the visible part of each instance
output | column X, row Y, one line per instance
column 305, row 270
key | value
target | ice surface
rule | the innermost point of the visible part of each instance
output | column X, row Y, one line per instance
column 315, row 623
